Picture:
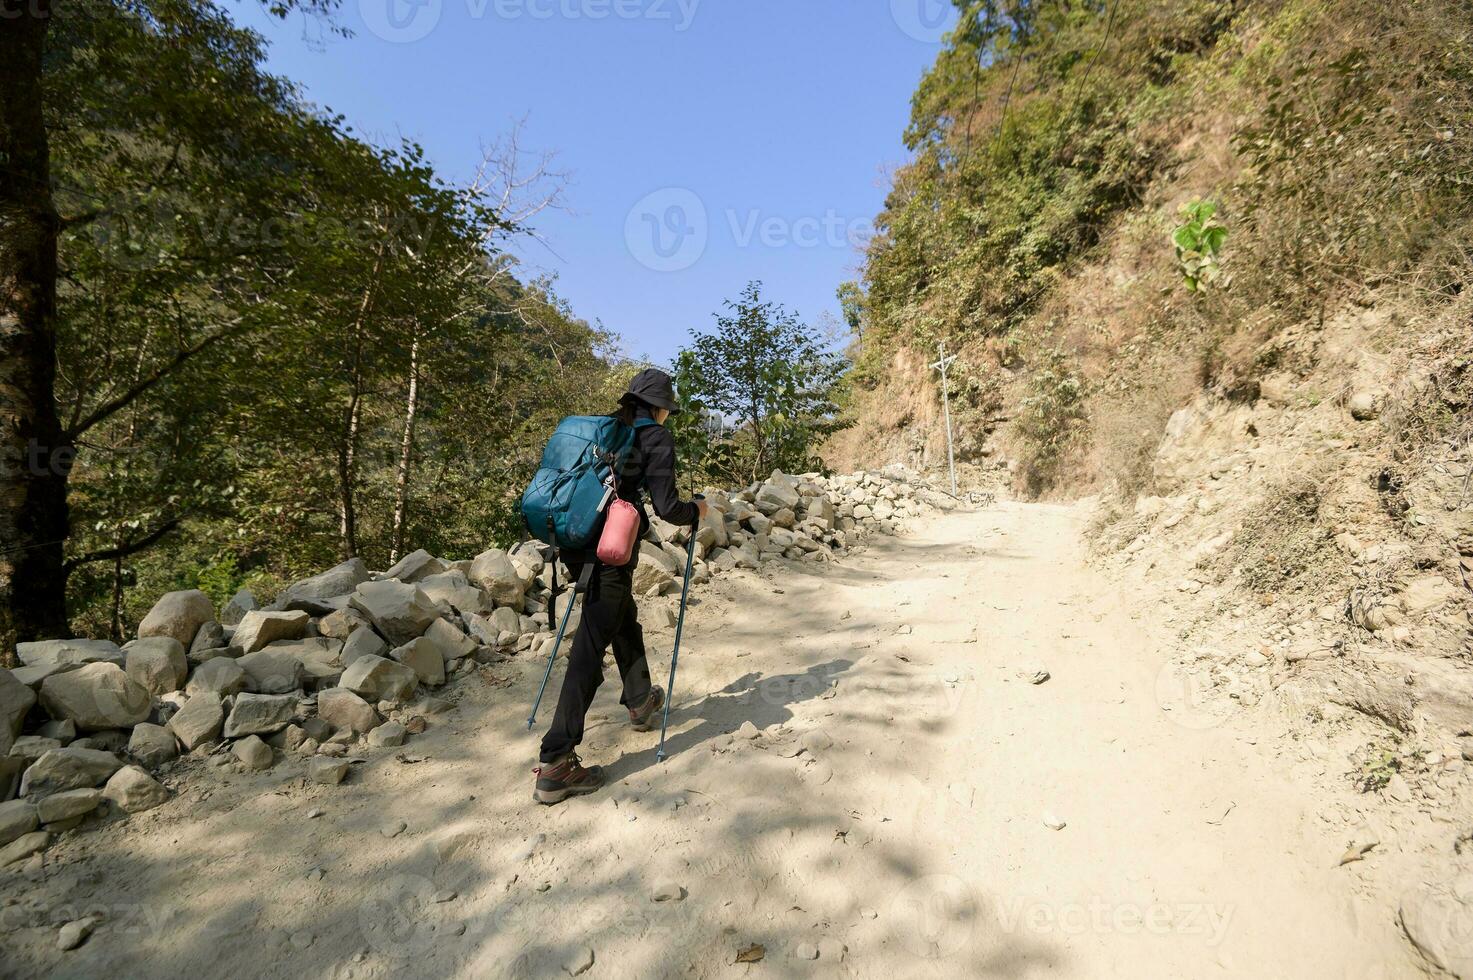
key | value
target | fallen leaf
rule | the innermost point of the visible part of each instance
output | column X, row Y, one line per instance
column 752, row 953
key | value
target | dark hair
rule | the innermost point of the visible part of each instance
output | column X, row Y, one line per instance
column 629, row 406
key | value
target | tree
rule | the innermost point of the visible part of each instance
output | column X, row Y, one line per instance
column 763, row 369
column 37, row 450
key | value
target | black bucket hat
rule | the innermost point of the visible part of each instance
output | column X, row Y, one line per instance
column 654, row 387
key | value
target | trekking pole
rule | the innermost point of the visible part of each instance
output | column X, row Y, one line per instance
column 690, row 558
column 573, row 592
column 567, row 613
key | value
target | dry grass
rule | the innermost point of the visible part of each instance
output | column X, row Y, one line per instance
column 1287, row 547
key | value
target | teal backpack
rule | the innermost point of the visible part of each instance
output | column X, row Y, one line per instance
column 565, row 504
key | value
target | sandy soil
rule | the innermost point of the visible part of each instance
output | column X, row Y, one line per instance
column 890, row 817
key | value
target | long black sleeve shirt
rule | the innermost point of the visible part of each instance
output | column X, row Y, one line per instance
column 651, row 467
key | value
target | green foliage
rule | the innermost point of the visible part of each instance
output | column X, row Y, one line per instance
column 1052, row 421
column 249, row 291
column 762, row 369
column 1199, row 240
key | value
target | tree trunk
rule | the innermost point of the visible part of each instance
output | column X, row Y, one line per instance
column 35, row 454
column 406, row 454
column 352, row 415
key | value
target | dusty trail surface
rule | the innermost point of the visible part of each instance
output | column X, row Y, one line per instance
column 889, row 818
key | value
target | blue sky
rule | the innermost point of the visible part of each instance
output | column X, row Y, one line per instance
column 709, row 142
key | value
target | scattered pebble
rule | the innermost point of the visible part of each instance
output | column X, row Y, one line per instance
column 667, row 891
column 394, row 828
column 806, row 951
column 1052, row 821
column 75, row 933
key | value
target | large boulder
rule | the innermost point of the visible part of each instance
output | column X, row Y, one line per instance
column 339, row 625
column 241, row 603
column 259, row 628
column 415, row 566
column 505, row 620
column 320, row 657
column 341, row 708
column 362, row 642
column 451, row 642
column 69, row 768
column 134, row 790
column 17, row 817
column 68, row 653
column 654, row 573
column 399, row 611
column 15, row 700
column 221, row 676
column 314, row 594
column 273, row 671
column 530, row 555
column 259, row 714
column 378, row 679
column 779, row 492
column 152, row 745
column 68, row 804
column 199, row 721
column 423, row 657
column 96, row 697
column 158, row 664
column 497, row 574
column 209, row 642
column 178, row 615
column 452, row 592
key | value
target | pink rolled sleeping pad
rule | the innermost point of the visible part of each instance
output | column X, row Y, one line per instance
column 621, row 530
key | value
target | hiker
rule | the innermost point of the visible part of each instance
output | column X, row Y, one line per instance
column 609, row 612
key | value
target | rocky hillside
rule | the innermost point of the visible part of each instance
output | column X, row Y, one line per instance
column 1206, row 262
column 343, row 663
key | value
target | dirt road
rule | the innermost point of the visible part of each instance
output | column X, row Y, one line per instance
column 890, row 818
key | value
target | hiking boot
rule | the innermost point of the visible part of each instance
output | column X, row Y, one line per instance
column 643, row 717
column 556, row 781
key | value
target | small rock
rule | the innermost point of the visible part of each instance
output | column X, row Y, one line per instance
column 302, row 940
column 255, row 753
column 394, row 828
column 152, row 745
column 816, row 740
column 748, row 730
column 831, row 950
column 75, row 933
column 17, row 818
column 134, row 790
column 806, row 951
column 322, row 769
column 667, row 891
column 59, row 807
column 1053, row 821
column 23, row 847
column 390, row 733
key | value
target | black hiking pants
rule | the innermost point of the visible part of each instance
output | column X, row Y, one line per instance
column 609, row 617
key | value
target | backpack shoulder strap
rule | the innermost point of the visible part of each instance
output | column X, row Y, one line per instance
column 641, row 423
